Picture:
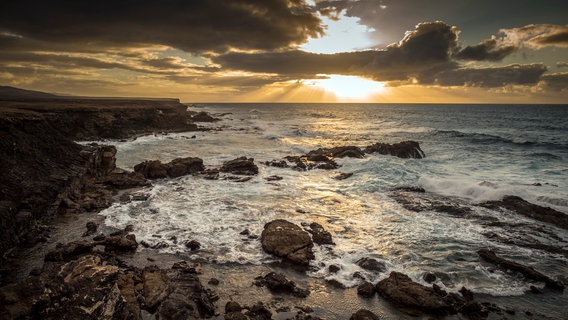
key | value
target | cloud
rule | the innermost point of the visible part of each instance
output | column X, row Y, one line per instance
column 555, row 81
column 429, row 46
column 526, row 74
column 537, row 36
column 192, row 26
column 489, row 50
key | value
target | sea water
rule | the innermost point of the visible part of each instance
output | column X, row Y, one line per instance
column 474, row 153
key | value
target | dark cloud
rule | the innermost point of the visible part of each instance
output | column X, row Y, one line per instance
column 555, row 81
column 193, row 26
column 486, row 50
column 429, row 46
column 528, row 74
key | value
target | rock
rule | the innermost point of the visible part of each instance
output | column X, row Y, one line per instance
column 91, row 229
column 65, row 252
column 411, row 189
column 203, row 116
column 333, row 268
column 122, row 179
column 400, row 289
column 320, row 235
column 466, row 294
column 288, row 241
column 242, row 166
column 324, row 154
column 364, row 314
column 259, row 312
column 405, row 149
column 276, row 163
column 371, row 264
column 277, row 282
column 120, row 243
column 273, row 178
column 429, row 277
column 193, row 245
column 214, row 281
column 184, row 166
column 533, row 211
column 535, row 290
column 366, row 289
column 232, row 306
column 152, row 169
column 527, row 271
column 343, row 176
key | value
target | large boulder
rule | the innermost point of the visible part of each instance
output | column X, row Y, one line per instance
column 152, row 169
column 288, row 241
column 401, row 290
column 405, row 149
column 184, row 166
column 241, row 165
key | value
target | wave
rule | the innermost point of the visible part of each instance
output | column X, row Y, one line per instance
column 489, row 139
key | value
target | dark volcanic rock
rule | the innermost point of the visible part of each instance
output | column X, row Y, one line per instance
column 527, row 209
column 527, row 271
column 184, row 166
column 277, row 282
column 276, row 163
column 119, row 243
column 405, row 149
column 320, row 235
column 371, row 264
column 324, row 154
column 429, row 277
column 364, row 314
column 242, row 165
column 203, row 116
column 366, row 289
column 152, row 169
column 400, row 289
column 288, row 241
column 122, row 179
column 343, row 176
column 91, row 229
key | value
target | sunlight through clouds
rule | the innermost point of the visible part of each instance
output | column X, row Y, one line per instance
column 349, row 87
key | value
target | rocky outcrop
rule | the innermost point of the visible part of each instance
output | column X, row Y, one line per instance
column 203, row 116
column 96, row 286
column 401, row 290
column 527, row 271
column 405, row 149
column 155, row 169
column 527, row 209
column 241, row 166
column 277, row 282
column 288, row 241
column 320, row 235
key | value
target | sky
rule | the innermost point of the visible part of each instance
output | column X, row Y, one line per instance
column 384, row 51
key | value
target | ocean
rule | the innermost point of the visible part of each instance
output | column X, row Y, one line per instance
column 474, row 153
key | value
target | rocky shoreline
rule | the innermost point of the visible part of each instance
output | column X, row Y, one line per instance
column 45, row 175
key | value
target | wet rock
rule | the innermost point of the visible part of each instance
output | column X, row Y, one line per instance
column 364, row 314
column 184, row 166
column 259, row 312
column 429, row 277
column 527, row 209
column 120, row 243
column 241, row 166
column 273, row 178
column 152, row 169
column 371, row 264
column 122, row 179
column 314, row 161
column 400, row 289
column 211, row 174
column 288, row 241
column 193, row 245
column 405, row 149
column 214, row 281
column 535, row 290
column 324, row 154
column 411, row 189
column 343, row 176
column 527, row 271
column 276, row 163
column 333, row 268
column 278, row 283
column 65, row 252
column 366, row 289
column 320, row 235
column 232, row 306
column 203, row 116
column 245, row 232
column 91, row 229
column 466, row 294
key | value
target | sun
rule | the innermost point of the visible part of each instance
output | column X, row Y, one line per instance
column 349, row 88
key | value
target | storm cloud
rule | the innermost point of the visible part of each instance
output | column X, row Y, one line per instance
column 537, row 36
column 192, row 26
column 486, row 50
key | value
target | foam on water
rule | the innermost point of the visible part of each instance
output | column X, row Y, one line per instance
column 363, row 219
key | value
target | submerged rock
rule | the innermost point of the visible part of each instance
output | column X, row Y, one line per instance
column 364, row 314
column 371, row 264
column 288, row 241
column 527, row 271
column 405, row 149
column 527, row 209
column 242, row 166
column 277, row 282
